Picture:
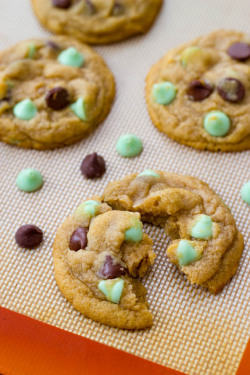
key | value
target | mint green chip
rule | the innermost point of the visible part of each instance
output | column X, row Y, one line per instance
column 135, row 233
column 164, row 93
column 203, row 228
column 245, row 192
column 217, row 123
column 190, row 54
column 148, row 173
column 25, row 110
column 89, row 207
column 31, row 50
column 186, row 253
column 129, row 145
column 112, row 289
column 79, row 109
column 29, row 180
column 71, row 57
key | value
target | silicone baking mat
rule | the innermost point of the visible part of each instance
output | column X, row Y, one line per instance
column 193, row 331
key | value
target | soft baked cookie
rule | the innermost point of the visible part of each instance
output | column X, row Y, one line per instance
column 98, row 255
column 206, row 243
column 97, row 21
column 199, row 93
column 52, row 92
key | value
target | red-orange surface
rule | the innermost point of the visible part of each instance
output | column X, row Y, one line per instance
column 29, row 347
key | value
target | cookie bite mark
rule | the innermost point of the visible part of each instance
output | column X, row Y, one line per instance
column 98, row 254
column 202, row 228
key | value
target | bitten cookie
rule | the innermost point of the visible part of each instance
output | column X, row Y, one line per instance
column 98, row 253
column 97, row 21
column 199, row 93
column 206, row 243
column 52, row 92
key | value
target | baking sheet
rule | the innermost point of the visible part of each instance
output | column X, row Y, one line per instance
column 193, row 331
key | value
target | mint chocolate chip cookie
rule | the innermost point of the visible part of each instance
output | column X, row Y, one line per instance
column 52, row 92
column 98, row 256
column 97, row 21
column 206, row 245
column 199, row 93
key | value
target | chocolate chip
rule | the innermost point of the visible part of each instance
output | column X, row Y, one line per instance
column 29, row 236
column 57, row 98
column 111, row 270
column 231, row 89
column 53, row 45
column 239, row 51
column 118, row 9
column 78, row 239
column 93, row 166
column 64, row 4
column 199, row 90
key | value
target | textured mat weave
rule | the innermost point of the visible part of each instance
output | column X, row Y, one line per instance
column 193, row 331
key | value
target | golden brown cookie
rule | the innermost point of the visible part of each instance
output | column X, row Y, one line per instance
column 97, row 21
column 52, row 92
column 199, row 93
column 98, row 256
column 206, row 243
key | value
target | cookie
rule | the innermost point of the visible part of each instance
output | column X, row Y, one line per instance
column 206, row 245
column 98, row 256
column 97, row 21
column 199, row 93
column 52, row 92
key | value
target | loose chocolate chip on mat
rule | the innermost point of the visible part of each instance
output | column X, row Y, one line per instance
column 112, row 270
column 28, row 236
column 57, row 98
column 78, row 239
column 93, row 166
column 199, row 90
column 239, row 51
column 64, row 4
column 231, row 89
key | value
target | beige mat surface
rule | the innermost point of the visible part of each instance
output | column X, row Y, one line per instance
column 193, row 331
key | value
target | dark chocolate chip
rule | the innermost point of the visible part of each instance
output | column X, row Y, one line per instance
column 93, row 166
column 64, row 4
column 199, row 90
column 111, row 270
column 78, row 239
column 53, row 45
column 118, row 9
column 239, row 51
column 29, row 236
column 57, row 98
column 231, row 89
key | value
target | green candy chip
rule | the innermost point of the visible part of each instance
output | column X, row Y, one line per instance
column 29, row 180
column 71, row 57
column 112, row 289
column 25, row 110
column 79, row 109
column 129, row 145
column 164, row 93
column 203, row 228
column 148, row 173
column 245, row 192
column 217, row 123
column 186, row 253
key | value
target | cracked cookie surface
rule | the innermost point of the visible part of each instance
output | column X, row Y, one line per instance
column 199, row 93
column 52, row 92
column 206, row 243
column 97, row 21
